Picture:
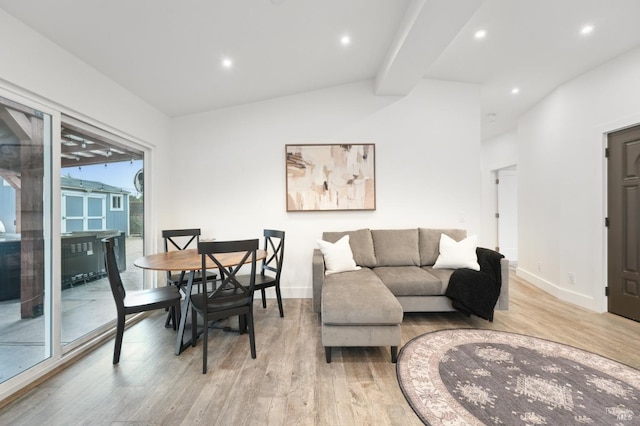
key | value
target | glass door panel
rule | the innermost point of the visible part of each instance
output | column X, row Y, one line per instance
column 25, row 244
column 97, row 167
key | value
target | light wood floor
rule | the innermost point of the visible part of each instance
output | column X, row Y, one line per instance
column 289, row 383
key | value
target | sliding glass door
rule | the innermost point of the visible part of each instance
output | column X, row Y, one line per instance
column 54, row 295
column 99, row 198
column 25, row 238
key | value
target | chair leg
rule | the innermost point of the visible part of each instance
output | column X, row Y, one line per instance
column 252, row 336
column 172, row 316
column 264, row 298
column 119, row 335
column 327, row 353
column 194, row 327
column 279, row 298
column 169, row 318
column 177, row 312
column 205, row 343
column 242, row 323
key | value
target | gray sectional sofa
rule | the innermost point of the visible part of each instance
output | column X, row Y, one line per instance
column 365, row 307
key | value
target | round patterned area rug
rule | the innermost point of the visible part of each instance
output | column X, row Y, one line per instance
column 475, row 377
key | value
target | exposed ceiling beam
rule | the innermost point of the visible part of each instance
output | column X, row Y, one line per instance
column 427, row 29
column 12, row 177
column 17, row 121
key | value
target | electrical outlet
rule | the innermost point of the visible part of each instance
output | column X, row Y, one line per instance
column 572, row 278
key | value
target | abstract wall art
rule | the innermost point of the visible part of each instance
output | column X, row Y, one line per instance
column 330, row 177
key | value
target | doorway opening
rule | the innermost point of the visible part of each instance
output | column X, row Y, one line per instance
column 506, row 180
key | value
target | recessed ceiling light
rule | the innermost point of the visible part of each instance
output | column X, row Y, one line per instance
column 587, row 29
column 227, row 63
column 515, row 90
column 345, row 40
column 480, row 34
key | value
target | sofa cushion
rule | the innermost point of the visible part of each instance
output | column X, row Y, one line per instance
column 430, row 242
column 361, row 245
column 396, row 247
column 442, row 274
column 358, row 298
column 409, row 281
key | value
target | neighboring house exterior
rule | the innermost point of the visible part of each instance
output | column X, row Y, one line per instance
column 93, row 206
column 86, row 206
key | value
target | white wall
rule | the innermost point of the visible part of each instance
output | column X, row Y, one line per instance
column 232, row 179
column 497, row 153
column 33, row 64
column 562, row 177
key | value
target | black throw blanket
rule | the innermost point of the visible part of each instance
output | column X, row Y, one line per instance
column 476, row 292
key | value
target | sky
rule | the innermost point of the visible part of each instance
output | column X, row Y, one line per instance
column 115, row 174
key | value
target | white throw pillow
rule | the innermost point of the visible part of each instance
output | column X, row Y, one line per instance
column 338, row 256
column 454, row 255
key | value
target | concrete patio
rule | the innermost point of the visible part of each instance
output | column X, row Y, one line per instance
column 85, row 307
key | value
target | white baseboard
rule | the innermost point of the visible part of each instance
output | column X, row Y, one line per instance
column 290, row 293
column 561, row 293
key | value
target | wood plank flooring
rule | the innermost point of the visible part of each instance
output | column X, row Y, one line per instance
column 289, row 383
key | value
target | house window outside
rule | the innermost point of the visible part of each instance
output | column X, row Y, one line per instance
column 116, row 202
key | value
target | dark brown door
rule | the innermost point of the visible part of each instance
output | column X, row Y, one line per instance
column 624, row 223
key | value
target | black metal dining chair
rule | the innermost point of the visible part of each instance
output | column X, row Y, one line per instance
column 227, row 297
column 182, row 239
column 135, row 301
column 271, row 267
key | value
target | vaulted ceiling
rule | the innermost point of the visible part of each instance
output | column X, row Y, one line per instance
column 170, row 53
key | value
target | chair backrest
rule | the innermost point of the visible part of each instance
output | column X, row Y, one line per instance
column 274, row 246
column 179, row 239
column 111, row 265
column 227, row 286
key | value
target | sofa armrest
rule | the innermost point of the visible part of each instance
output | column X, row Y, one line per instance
column 317, row 274
column 496, row 266
column 503, row 300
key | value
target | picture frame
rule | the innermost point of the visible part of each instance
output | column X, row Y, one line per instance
column 330, row 177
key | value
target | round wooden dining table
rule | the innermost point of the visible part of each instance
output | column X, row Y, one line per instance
column 189, row 261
